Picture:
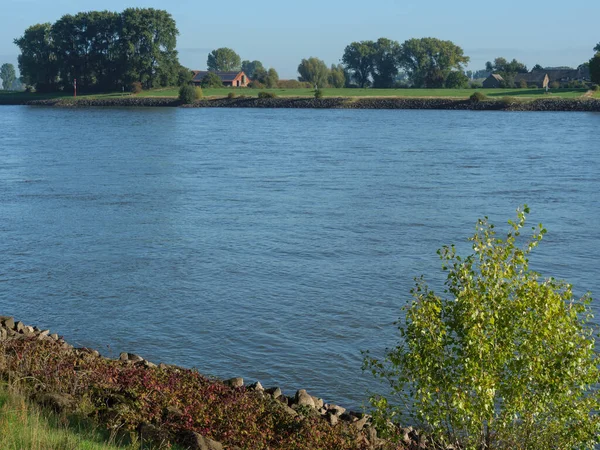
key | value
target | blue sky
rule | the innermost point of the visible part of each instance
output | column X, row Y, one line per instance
column 281, row 33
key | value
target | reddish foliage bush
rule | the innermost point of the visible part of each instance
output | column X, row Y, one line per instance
column 124, row 396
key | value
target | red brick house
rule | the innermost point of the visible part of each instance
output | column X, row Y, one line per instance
column 235, row 79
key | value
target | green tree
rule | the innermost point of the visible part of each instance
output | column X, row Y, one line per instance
column 537, row 68
column 597, row 47
column 314, row 71
column 224, row 60
column 456, row 80
column 148, row 38
column 272, row 78
column 251, row 67
column 211, row 80
column 184, row 76
column 337, row 76
column 428, row 60
column 358, row 59
column 8, row 76
column 505, row 68
column 37, row 61
column 508, row 360
column 385, row 62
column 594, row 66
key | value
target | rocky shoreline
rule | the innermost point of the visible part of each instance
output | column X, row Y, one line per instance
column 298, row 407
column 502, row 104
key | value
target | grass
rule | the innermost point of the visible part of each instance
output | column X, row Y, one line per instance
column 327, row 92
column 24, row 425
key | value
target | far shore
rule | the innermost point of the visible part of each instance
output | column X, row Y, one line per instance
column 438, row 103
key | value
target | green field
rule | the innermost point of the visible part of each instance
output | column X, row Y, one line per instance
column 328, row 92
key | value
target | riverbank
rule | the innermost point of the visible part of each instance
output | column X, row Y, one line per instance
column 167, row 404
column 502, row 104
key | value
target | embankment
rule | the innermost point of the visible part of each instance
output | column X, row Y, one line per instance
column 169, row 404
column 503, row 104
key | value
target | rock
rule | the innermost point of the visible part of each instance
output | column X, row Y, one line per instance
column 153, row 435
column 9, row 323
column 346, row 417
column 195, row 441
column 292, row 412
column 333, row 419
column 302, row 398
column 124, row 356
column 149, row 364
column 57, row 401
column 28, row 330
column 337, row 410
column 360, row 423
column 54, row 337
column 3, row 334
column 318, row 402
column 256, row 387
column 283, row 399
column 234, row 382
column 19, row 326
column 274, row 392
column 44, row 333
column 133, row 357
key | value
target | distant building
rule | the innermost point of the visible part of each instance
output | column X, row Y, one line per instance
column 539, row 79
column 235, row 79
column 493, row 81
column 563, row 76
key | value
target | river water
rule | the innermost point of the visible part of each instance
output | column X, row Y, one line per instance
column 272, row 244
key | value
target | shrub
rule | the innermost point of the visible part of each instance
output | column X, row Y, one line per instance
column 554, row 85
column 211, row 80
column 231, row 95
column 456, row 80
column 264, row 94
column 596, row 88
column 255, row 84
column 318, row 93
column 198, row 92
column 508, row 101
column 124, row 396
column 187, row 94
column 506, row 361
column 136, row 87
column 475, row 84
column 293, row 84
column 523, row 84
column 477, row 97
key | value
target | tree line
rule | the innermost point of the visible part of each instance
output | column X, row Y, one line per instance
column 107, row 51
column 102, row 50
column 427, row 62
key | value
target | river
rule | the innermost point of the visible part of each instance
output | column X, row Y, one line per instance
column 272, row 244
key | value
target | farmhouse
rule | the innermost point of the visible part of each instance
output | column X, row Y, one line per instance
column 235, row 79
column 539, row 79
column 493, row 81
column 565, row 75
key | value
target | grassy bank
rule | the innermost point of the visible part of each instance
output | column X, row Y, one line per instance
column 328, row 92
column 24, row 425
column 130, row 396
